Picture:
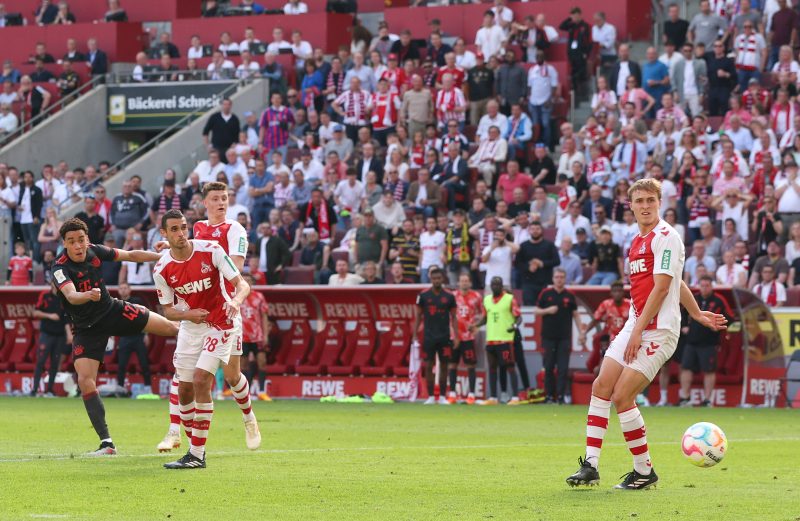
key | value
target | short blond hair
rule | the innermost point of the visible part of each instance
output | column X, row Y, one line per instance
column 646, row 185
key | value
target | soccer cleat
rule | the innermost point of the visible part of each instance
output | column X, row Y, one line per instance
column 252, row 435
column 549, row 400
column 587, row 475
column 443, row 401
column 470, row 399
column 488, row 401
column 642, row 401
column 706, row 403
column 514, row 401
column 430, row 401
column 188, row 461
column 451, row 398
column 635, row 481
column 662, row 403
column 106, row 449
column 172, row 440
column 264, row 397
column 683, row 402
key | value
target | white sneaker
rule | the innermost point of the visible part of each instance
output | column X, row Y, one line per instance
column 443, row 401
column 252, row 436
column 219, row 396
column 642, row 401
column 662, row 403
column 172, row 440
column 513, row 401
column 430, row 401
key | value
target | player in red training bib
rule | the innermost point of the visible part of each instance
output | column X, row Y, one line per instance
column 647, row 340
column 187, row 282
column 232, row 237
column 255, row 328
column 613, row 312
column 469, row 308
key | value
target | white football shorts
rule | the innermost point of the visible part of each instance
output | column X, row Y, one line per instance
column 205, row 350
column 657, row 347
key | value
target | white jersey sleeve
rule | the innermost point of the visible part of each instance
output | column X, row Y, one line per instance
column 166, row 296
column 237, row 240
column 223, row 263
column 668, row 253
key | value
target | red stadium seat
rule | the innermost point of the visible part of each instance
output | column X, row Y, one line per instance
column 22, row 337
column 110, row 361
column 298, row 275
column 327, row 346
column 295, row 343
column 359, row 345
column 392, row 351
column 167, row 352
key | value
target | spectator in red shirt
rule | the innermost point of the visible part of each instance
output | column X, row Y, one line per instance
column 512, row 179
column 20, row 267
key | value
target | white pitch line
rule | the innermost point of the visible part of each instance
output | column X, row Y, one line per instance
column 23, row 458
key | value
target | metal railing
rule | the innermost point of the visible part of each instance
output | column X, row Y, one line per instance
column 160, row 76
column 27, row 125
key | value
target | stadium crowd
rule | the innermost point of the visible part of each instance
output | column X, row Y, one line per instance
column 392, row 156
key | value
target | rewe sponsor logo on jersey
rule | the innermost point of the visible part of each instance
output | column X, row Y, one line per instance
column 196, row 286
column 638, row 266
column 204, row 268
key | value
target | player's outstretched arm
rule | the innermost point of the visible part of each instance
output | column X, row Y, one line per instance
column 196, row 316
column 76, row 298
column 138, row 256
column 712, row 321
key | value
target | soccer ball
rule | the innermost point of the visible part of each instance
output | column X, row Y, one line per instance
column 704, row 444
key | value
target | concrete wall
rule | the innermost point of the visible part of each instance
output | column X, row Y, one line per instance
column 76, row 135
column 182, row 150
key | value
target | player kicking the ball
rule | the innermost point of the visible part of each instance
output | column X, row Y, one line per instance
column 95, row 316
column 647, row 340
column 190, row 272
column 233, row 238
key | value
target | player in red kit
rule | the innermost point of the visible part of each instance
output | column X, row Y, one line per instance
column 613, row 312
column 20, row 267
column 469, row 309
column 233, row 238
column 255, row 326
column 187, row 282
column 647, row 340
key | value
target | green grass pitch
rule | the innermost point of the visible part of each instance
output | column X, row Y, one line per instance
column 386, row 462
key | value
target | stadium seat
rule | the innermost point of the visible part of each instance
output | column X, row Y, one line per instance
column 295, row 343
column 336, row 256
column 298, row 275
column 167, row 352
column 22, row 337
column 110, row 361
column 392, row 350
column 327, row 347
column 359, row 346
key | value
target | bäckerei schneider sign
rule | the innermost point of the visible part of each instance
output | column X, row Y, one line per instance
column 156, row 106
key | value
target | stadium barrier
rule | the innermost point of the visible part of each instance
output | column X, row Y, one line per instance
column 374, row 351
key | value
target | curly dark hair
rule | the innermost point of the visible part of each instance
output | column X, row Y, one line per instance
column 73, row 225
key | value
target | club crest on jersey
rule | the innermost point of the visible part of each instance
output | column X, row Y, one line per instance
column 643, row 249
column 217, row 233
column 204, row 268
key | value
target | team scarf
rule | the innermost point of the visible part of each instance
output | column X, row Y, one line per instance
column 463, row 251
column 772, row 297
column 775, row 115
column 323, row 223
column 162, row 202
column 337, row 83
